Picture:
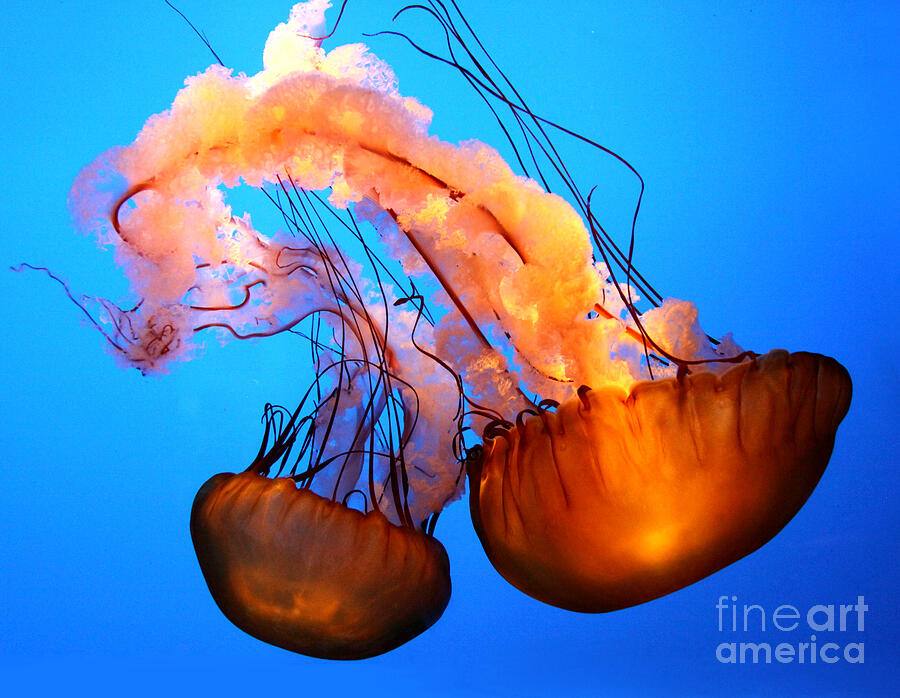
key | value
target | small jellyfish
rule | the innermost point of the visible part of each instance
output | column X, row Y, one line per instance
column 306, row 571
column 310, row 575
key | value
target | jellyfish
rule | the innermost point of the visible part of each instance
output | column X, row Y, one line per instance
column 289, row 559
column 623, row 453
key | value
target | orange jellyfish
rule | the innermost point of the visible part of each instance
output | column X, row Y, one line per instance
column 625, row 455
column 642, row 476
column 334, row 557
column 305, row 571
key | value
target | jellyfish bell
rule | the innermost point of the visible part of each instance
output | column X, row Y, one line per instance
column 619, row 497
column 313, row 576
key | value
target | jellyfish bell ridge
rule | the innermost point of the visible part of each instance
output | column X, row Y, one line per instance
column 620, row 497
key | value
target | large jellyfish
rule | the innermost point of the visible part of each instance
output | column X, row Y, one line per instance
column 624, row 454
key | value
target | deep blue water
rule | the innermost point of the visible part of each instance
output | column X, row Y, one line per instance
column 767, row 135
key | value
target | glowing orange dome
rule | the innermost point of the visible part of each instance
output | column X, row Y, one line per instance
column 618, row 498
column 301, row 572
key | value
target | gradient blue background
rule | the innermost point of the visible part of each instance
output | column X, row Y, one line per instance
column 767, row 134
